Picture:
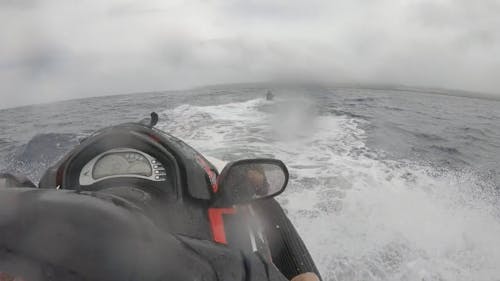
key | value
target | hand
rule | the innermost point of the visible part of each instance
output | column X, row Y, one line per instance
column 308, row 276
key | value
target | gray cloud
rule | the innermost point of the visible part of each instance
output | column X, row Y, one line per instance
column 65, row 49
column 18, row 4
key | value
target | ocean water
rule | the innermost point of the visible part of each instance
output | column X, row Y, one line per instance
column 385, row 184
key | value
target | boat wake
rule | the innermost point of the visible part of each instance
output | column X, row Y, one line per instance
column 362, row 216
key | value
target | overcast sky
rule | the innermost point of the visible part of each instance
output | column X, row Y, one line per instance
column 53, row 49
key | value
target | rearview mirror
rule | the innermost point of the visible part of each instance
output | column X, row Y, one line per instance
column 246, row 180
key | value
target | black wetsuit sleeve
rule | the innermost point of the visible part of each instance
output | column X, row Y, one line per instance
column 288, row 251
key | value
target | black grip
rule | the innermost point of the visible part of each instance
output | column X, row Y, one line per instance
column 288, row 251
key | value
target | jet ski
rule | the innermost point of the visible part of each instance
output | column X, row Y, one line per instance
column 269, row 95
column 132, row 202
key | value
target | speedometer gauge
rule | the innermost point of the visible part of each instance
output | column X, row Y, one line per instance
column 109, row 165
column 122, row 162
column 138, row 164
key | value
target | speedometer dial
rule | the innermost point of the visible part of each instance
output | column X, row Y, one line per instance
column 138, row 165
column 109, row 165
column 122, row 162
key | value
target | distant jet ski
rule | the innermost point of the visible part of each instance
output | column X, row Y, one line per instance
column 134, row 203
column 269, row 95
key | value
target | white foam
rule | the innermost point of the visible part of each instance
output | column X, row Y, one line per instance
column 361, row 217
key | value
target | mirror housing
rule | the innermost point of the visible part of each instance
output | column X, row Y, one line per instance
column 251, row 179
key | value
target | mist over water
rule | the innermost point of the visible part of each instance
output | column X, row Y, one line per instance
column 385, row 184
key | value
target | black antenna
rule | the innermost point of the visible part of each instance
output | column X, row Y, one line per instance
column 154, row 119
column 150, row 122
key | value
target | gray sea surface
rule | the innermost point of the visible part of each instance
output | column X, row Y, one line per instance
column 386, row 184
